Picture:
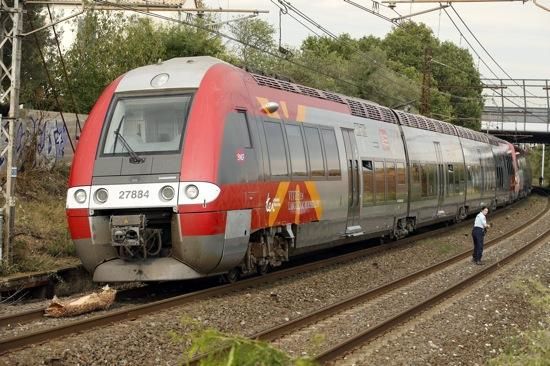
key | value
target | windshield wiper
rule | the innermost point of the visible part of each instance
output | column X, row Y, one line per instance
column 134, row 158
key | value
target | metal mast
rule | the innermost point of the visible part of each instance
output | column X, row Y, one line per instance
column 11, row 16
column 11, row 24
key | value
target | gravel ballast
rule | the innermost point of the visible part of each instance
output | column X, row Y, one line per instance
column 148, row 340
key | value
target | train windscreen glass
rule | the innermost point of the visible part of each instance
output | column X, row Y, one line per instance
column 147, row 125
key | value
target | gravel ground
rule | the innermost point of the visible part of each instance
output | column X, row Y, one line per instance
column 148, row 341
column 334, row 330
column 470, row 328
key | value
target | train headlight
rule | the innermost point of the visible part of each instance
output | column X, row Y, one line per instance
column 101, row 195
column 167, row 193
column 192, row 191
column 80, row 196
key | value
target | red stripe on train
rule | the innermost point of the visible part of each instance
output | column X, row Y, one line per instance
column 203, row 223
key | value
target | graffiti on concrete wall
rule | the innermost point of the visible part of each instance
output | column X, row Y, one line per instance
column 46, row 138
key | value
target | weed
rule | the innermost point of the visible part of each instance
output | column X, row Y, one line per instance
column 230, row 350
column 41, row 238
column 531, row 347
column 528, row 349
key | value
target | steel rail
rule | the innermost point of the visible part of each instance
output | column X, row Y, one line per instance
column 35, row 314
column 9, row 344
column 332, row 309
column 362, row 338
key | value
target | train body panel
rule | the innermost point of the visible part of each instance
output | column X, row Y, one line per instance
column 193, row 167
column 502, row 153
column 480, row 182
column 437, row 175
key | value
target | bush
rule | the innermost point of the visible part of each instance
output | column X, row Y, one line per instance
column 230, row 350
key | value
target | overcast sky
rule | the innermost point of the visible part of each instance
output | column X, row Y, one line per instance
column 517, row 35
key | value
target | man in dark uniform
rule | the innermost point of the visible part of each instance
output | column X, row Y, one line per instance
column 478, row 232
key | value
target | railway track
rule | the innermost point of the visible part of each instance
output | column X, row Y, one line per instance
column 332, row 310
column 341, row 349
column 133, row 312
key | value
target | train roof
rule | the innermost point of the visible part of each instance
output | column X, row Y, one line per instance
column 366, row 109
column 182, row 73
column 188, row 72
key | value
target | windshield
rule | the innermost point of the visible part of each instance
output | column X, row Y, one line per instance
column 147, row 124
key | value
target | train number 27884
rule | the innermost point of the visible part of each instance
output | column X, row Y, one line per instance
column 124, row 195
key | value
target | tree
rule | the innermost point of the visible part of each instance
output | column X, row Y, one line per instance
column 456, row 92
column 352, row 67
column 185, row 41
column 34, row 92
column 110, row 44
column 256, row 40
column 458, row 77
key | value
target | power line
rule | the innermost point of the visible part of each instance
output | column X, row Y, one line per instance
column 204, row 28
column 483, row 61
column 399, row 25
column 484, row 49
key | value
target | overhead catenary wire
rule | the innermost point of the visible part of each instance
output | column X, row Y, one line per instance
column 64, row 68
column 205, row 28
column 287, row 5
column 284, row 11
column 399, row 25
column 487, row 66
column 50, row 81
column 434, row 60
column 483, row 47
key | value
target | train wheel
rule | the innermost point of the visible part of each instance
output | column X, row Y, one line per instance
column 232, row 276
column 263, row 269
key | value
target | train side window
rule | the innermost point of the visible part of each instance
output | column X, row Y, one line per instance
column 450, row 179
column 368, row 182
column 315, row 153
column 380, row 181
column 391, row 177
column 401, row 181
column 461, row 186
column 432, row 171
column 296, row 149
column 331, row 151
column 276, row 149
column 416, row 180
column 424, row 180
column 242, row 130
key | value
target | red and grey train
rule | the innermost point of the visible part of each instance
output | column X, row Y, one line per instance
column 193, row 167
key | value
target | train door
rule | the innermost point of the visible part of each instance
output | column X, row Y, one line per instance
column 354, row 189
column 440, row 179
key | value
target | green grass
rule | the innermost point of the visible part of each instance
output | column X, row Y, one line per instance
column 231, row 350
column 530, row 348
column 41, row 238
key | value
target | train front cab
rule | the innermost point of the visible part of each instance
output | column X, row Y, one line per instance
column 145, row 203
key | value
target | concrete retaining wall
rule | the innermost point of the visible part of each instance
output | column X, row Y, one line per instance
column 46, row 134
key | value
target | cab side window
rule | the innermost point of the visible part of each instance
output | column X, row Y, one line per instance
column 242, row 130
column 297, row 150
column 315, row 153
column 331, row 150
column 276, row 148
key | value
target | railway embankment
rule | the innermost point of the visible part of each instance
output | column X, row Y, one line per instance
column 43, row 254
column 251, row 310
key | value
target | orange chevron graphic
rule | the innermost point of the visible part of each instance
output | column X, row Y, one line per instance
column 264, row 101
column 294, row 202
column 284, row 109
column 294, row 112
column 298, row 206
column 278, row 201
column 301, row 113
column 314, row 196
